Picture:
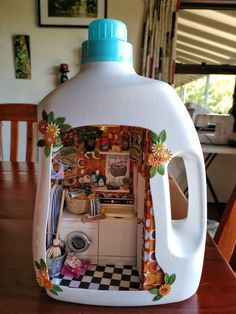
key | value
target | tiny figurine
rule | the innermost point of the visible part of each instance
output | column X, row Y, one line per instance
column 64, row 69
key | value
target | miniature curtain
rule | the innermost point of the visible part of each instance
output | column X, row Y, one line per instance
column 159, row 39
column 153, row 275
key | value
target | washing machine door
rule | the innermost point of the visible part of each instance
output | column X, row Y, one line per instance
column 77, row 242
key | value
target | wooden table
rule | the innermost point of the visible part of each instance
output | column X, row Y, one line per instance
column 19, row 292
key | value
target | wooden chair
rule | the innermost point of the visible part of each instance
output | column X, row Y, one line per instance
column 225, row 237
column 16, row 113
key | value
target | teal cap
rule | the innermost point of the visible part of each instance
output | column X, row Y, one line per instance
column 107, row 41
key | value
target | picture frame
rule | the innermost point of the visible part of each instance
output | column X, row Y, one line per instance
column 117, row 168
column 74, row 13
column 136, row 145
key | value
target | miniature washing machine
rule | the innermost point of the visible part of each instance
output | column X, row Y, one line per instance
column 108, row 92
column 81, row 238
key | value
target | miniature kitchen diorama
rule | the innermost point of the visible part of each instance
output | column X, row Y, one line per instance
column 100, row 184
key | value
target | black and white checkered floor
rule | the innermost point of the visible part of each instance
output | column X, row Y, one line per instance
column 109, row 277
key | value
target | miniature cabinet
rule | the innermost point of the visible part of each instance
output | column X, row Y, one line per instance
column 117, row 241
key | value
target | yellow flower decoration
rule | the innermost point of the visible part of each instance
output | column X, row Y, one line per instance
column 52, row 128
column 165, row 289
column 160, row 154
column 158, row 149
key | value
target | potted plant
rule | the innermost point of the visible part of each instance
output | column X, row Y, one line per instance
column 89, row 135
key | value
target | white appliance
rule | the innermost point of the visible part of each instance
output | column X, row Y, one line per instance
column 214, row 128
column 80, row 237
column 93, row 240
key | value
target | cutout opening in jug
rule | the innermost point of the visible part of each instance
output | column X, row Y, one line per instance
column 108, row 207
column 178, row 189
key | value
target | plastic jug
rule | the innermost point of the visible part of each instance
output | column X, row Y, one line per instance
column 107, row 91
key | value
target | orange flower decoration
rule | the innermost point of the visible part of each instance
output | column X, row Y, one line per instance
column 164, row 289
column 167, row 154
column 43, row 279
column 50, row 138
column 154, row 160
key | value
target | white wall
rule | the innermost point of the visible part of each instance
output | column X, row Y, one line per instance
column 51, row 46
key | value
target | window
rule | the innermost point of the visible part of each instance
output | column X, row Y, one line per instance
column 205, row 53
column 214, row 92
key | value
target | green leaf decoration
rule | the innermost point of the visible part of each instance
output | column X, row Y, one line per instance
column 43, row 264
column 57, row 288
column 172, row 279
column 51, row 117
column 44, row 115
column 154, row 137
column 166, row 278
column 65, row 127
column 157, row 297
column 161, row 169
column 53, row 292
column 60, row 120
column 41, row 143
column 154, row 291
column 37, row 265
column 153, row 171
column 47, row 151
column 162, row 136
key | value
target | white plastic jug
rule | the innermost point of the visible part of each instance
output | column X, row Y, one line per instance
column 107, row 91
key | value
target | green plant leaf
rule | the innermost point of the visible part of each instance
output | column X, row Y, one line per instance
column 44, row 115
column 154, row 137
column 37, row 265
column 154, row 291
column 41, row 143
column 60, row 120
column 51, row 117
column 153, row 171
column 53, row 292
column 47, row 151
column 166, row 278
column 162, row 136
column 57, row 288
column 65, row 127
column 161, row 169
column 157, row 297
column 43, row 264
column 172, row 279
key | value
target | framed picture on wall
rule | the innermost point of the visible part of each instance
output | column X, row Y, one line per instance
column 136, row 145
column 70, row 13
column 117, row 168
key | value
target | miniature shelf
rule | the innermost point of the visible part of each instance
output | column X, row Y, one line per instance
column 104, row 189
column 111, row 152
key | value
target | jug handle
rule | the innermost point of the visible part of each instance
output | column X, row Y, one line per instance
column 184, row 236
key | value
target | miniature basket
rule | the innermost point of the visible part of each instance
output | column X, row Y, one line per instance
column 76, row 205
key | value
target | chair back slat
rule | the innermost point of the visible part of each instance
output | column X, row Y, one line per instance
column 30, row 142
column 14, row 141
column 16, row 113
